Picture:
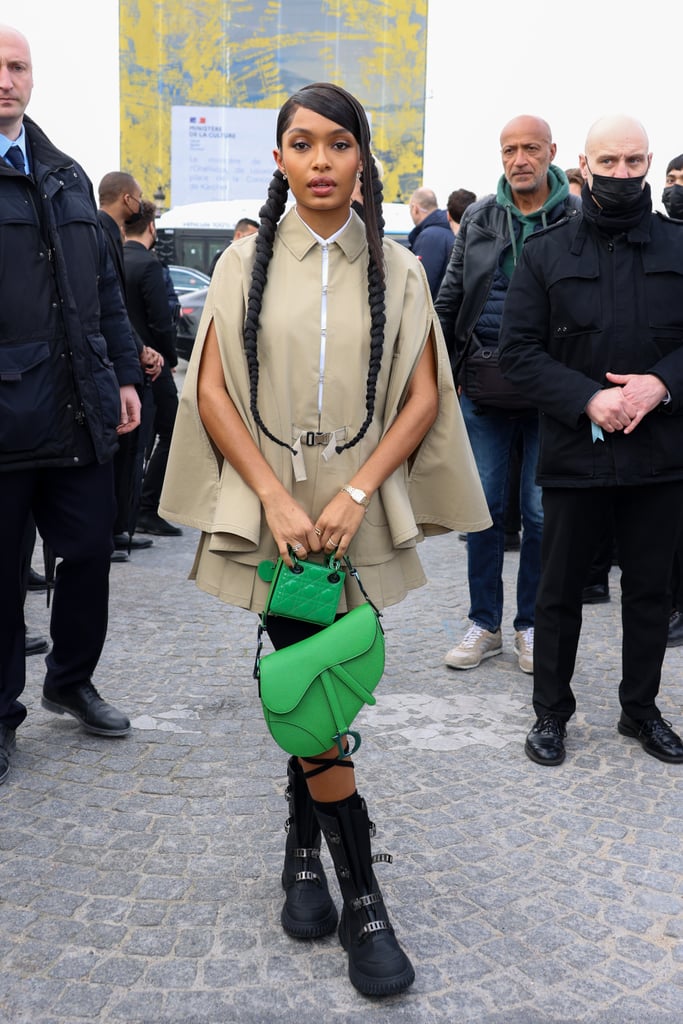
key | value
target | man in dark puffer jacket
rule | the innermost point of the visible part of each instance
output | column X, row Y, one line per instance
column 68, row 370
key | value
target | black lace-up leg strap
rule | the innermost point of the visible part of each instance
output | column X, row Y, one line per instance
column 324, row 764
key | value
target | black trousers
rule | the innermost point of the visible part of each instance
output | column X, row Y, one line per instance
column 647, row 526
column 74, row 512
column 165, row 395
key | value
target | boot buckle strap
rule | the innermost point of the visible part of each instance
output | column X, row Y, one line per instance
column 382, row 858
column 366, row 901
column 374, row 926
column 307, row 876
column 305, row 851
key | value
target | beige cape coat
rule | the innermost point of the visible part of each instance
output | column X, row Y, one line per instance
column 301, row 390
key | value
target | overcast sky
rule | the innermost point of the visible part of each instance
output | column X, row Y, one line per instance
column 487, row 62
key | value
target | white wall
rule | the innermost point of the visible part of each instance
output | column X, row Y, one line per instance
column 75, row 50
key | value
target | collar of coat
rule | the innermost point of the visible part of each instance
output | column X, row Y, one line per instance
column 294, row 234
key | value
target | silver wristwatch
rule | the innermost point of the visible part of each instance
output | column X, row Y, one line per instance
column 360, row 497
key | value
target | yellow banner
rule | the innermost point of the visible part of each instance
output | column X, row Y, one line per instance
column 236, row 53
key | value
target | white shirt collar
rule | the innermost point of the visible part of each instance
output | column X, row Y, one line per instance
column 318, row 238
column 6, row 144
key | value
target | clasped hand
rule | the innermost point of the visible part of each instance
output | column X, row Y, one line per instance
column 623, row 406
column 332, row 532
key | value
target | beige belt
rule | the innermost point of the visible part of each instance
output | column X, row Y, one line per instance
column 328, row 440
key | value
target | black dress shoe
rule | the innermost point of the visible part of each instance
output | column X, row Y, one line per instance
column 596, row 593
column 119, row 556
column 122, row 542
column 675, row 636
column 150, row 522
column 655, row 736
column 85, row 704
column 545, row 742
column 7, row 745
column 36, row 645
column 36, row 581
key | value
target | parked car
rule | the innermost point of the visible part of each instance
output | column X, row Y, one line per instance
column 187, row 279
column 191, row 308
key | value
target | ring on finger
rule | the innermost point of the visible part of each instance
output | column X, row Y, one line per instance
column 317, row 532
column 332, row 542
column 297, row 547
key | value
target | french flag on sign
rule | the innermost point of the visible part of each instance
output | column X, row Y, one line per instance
column 197, row 120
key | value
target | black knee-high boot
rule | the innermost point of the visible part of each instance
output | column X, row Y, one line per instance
column 308, row 911
column 377, row 964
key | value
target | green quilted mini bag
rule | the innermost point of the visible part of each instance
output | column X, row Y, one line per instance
column 312, row 691
column 307, row 591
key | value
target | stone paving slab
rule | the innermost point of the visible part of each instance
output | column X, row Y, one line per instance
column 139, row 878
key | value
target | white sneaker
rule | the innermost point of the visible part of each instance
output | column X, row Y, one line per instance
column 524, row 649
column 476, row 645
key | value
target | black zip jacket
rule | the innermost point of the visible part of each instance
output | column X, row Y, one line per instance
column 66, row 345
column 581, row 303
column 484, row 234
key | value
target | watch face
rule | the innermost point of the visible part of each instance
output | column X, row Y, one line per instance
column 358, row 496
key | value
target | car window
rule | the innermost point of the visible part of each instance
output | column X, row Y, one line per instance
column 187, row 279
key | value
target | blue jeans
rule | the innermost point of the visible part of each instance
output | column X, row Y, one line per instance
column 494, row 436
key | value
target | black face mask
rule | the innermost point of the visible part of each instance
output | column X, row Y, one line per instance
column 617, row 195
column 135, row 217
column 672, row 198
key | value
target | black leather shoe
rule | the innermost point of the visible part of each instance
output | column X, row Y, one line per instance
column 7, row 744
column 120, row 556
column 545, row 742
column 655, row 736
column 85, row 704
column 596, row 593
column 675, row 637
column 122, row 542
column 36, row 645
column 150, row 522
column 36, row 582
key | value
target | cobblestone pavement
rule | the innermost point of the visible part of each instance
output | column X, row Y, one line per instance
column 139, row 878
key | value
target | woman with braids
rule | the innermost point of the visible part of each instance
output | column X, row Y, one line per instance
column 319, row 415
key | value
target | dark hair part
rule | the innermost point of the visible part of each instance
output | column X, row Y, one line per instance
column 574, row 176
column 676, row 164
column 336, row 104
column 244, row 223
column 458, row 202
column 137, row 228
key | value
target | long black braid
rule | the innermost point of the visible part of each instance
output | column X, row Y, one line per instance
column 269, row 215
column 376, row 298
column 334, row 103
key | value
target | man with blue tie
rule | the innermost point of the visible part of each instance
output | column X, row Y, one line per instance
column 68, row 370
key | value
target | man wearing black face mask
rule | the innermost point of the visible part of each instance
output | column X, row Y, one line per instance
column 672, row 196
column 593, row 330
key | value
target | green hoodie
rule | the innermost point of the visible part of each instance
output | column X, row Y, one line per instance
column 559, row 190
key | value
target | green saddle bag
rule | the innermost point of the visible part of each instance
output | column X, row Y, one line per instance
column 312, row 691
